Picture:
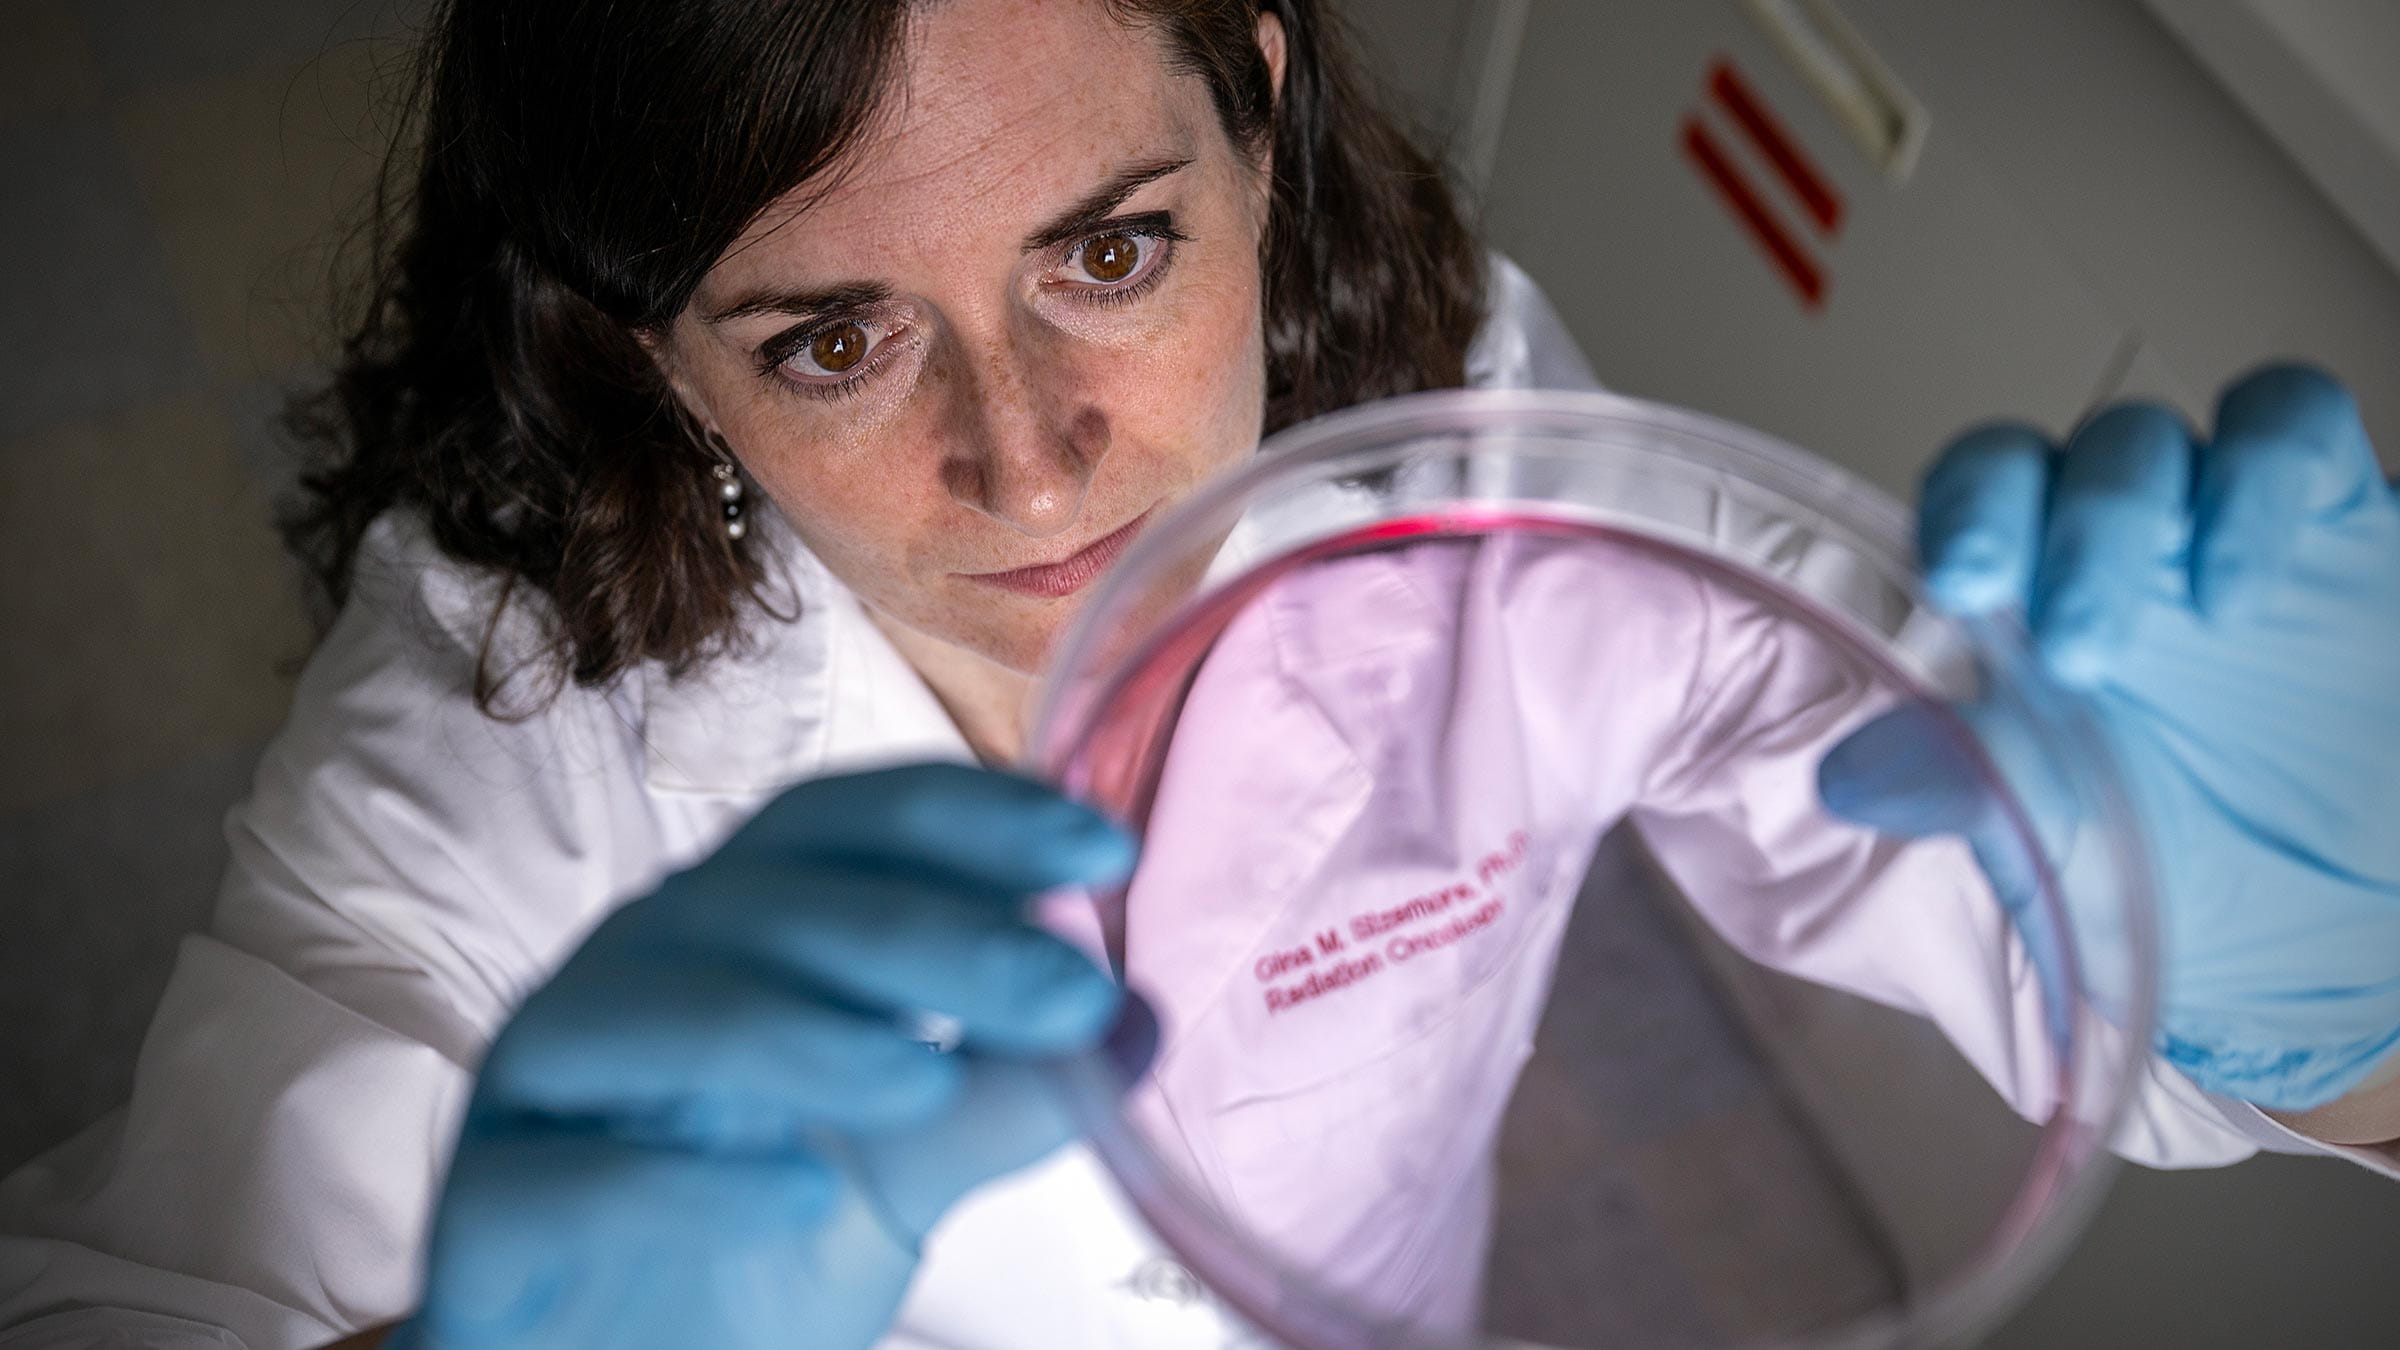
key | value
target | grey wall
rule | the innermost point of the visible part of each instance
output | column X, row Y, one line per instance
column 2317, row 76
column 172, row 173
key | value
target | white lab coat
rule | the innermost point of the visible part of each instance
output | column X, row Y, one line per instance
column 407, row 869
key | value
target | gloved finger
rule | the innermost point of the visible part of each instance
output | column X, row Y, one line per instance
column 703, row 1055
column 539, row 1232
column 1907, row 772
column 1979, row 518
column 2117, row 521
column 1925, row 769
column 1008, row 1114
column 1929, row 768
column 969, row 825
column 1131, row 1046
column 887, row 942
column 2289, row 447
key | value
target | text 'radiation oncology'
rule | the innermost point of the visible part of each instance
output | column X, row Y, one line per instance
column 1378, row 939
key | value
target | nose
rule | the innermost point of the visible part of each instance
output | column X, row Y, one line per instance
column 1024, row 444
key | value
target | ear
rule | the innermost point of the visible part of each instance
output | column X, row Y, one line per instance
column 1271, row 46
column 662, row 356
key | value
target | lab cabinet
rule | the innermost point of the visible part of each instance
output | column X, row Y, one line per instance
column 2090, row 214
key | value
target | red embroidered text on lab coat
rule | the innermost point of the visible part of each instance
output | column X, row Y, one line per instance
column 1422, row 924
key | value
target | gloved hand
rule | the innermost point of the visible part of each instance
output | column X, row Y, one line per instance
column 712, row 1126
column 2232, row 612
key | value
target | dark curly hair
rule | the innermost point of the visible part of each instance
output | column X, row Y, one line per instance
column 578, row 168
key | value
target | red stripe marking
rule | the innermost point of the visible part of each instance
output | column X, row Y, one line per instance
column 1799, row 172
column 1787, row 255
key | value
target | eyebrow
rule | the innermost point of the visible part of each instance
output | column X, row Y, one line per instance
column 1076, row 221
column 1086, row 215
column 853, row 295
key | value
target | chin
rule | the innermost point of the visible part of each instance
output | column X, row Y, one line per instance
column 1024, row 646
column 1029, row 652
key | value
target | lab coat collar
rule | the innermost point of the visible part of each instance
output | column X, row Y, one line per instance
column 814, row 689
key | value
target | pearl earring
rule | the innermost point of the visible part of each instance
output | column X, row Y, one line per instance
column 729, row 488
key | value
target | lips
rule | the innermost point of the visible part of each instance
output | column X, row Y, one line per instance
column 1052, row 580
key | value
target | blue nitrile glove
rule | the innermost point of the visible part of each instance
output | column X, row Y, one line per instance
column 713, row 1128
column 2232, row 611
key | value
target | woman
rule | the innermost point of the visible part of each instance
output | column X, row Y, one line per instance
column 750, row 394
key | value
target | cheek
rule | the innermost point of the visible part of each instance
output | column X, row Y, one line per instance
column 833, row 470
column 845, row 495
column 859, row 524
column 1199, row 392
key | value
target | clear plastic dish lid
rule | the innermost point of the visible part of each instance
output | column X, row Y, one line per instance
column 1513, row 985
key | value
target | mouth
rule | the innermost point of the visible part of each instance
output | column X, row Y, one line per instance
column 1071, row 574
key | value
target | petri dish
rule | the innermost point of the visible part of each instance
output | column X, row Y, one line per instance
column 1512, row 985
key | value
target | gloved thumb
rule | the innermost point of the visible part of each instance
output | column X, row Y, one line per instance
column 1966, row 769
column 1909, row 773
column 1927, row 768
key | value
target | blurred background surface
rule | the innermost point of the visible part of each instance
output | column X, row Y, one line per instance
column 2033, row 207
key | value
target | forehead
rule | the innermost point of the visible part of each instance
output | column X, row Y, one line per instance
column 999, row 112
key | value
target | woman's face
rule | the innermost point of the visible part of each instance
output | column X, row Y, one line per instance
column 1025, row 318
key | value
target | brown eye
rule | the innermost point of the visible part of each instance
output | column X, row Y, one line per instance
column 838, row 349
column 1112, row 257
